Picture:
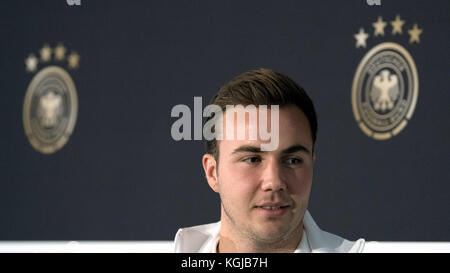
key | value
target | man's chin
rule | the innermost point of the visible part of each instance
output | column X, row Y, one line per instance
column 274, row 230
column 271, row 233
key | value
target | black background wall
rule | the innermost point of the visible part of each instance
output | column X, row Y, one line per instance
column 122, row 177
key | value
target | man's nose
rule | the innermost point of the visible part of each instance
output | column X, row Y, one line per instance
column 272, row 179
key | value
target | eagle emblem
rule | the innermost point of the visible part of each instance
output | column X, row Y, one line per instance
column 49, row 109
column 385, row 91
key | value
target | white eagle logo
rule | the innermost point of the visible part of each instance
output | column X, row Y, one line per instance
column 385, row 91
column 49, row 109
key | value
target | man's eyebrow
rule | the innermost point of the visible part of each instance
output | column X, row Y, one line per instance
column 296, row 148
column 247, row 149
column 256, row 149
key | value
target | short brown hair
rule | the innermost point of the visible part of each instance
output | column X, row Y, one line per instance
column 262, row 87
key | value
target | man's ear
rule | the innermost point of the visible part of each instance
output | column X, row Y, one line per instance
column 210, row 168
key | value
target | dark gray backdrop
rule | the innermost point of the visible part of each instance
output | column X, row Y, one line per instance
column 122, row 177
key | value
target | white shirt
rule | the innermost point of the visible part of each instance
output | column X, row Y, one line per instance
column 204, row 239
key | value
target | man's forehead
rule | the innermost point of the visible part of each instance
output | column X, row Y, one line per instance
column 289, row 118
column 287, row 113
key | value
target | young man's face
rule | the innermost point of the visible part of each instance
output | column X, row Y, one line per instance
column 265, row 194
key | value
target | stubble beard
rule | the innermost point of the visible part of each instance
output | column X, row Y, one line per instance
column 248, row 234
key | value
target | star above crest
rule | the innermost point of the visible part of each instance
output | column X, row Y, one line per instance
column 31, row 63
column 73, row 59
column 397, row 25
column 379, row 26
column 46, row 53
column 60, row 52
column 414, row 34
column 361, row 38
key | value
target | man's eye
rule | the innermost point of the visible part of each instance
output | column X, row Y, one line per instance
column 252, row 160
column 294, row 161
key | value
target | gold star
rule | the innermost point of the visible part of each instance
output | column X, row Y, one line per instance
column 397, row 25
column 60, row 52
column 379, row 26
column 74, row 60
column 361, row 38
column 414, row 34
column 31, row 63
column 46, row 53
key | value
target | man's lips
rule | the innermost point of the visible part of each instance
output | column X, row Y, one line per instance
column 277, row 208
column 273, row 205
column 272, row 209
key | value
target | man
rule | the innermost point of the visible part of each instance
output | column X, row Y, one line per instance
column 264, row 193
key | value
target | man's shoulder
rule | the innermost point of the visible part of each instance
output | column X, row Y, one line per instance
column 332, row 243
column 192, row 239
column 323, row 241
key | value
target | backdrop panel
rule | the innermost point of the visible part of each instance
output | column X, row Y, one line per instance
column 120, row 175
